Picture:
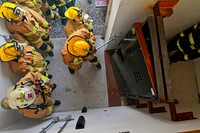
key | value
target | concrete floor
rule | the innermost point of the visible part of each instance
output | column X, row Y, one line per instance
column 87, row 87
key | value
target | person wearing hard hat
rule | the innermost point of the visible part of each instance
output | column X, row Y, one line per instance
column 23, row 58
column 26, row 25
column 78, row 19
column 77, row 49
column 40, row 6
column 30, row 102
column 61, row 6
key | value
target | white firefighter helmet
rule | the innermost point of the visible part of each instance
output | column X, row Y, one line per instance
column 20, row 96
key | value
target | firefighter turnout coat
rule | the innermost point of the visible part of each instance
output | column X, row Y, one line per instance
column 43, row 104
column 31, row 30
column 68, row 58
column 30, row 61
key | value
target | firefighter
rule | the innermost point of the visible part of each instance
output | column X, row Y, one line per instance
column 29, row 3
column 77, row 49
column 77, row 20
column 26, row 25
column 23, row 58
column 185, row 46
column 40, row 6
column 61, row 6
column 29, row 97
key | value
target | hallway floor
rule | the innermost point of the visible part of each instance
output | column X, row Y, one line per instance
column 87, row 87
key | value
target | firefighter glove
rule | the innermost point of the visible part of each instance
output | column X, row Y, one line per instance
column 93, row 49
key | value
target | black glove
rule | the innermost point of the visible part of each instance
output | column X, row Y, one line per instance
column 93, row 49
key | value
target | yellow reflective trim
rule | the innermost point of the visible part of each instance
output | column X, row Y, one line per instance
column 52, row 16
column 34, row 30
column 48, row 49
column 179, row 47
column 45, row 24
column 186, row 57
column 43, row 33
column 27, row 42
column 31, row 69
column 182, row 34
column 39, row 69
column 95, row 63
column 44, row 63
column 191, row 39
column 90, row 26
column 192, row 47
column 36, row 41
column 53, row 6
column 44, row 78
column 40, row 12
column 36, row 24
column 77, row 61
column 50, row 110
column 62, row 17
column 195, row 26
column 32, row 4
column 69, row 1
column 35, row 60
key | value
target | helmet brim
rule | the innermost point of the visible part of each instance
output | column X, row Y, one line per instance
column 5, row 57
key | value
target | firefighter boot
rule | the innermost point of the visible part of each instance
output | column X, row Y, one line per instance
column 98, row 66
column 51, row 45
column 48, row 75
column 64, row 21
column 90, row 1
column 54, row 86
column 57, row 102
column 55, row 15
column 51, row 53
column 71, row 70
column 48, row 62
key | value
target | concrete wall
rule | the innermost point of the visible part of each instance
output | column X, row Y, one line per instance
column 7, row 79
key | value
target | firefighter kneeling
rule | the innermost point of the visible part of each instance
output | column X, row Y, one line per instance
column 78, row 49
column 31, row 96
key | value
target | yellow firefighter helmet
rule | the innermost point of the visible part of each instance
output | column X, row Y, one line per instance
column 11, row 11
column 74, row 13
column 10, row 51
column 4, row 103
column 77, row 46
column 20, row 96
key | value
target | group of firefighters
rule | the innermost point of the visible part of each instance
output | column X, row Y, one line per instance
column 26, row 22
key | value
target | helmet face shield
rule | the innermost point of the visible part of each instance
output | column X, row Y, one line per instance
column 74, row 13
column 80, row 13
column 11, row 11
column 19, row 11
column 17, row 46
